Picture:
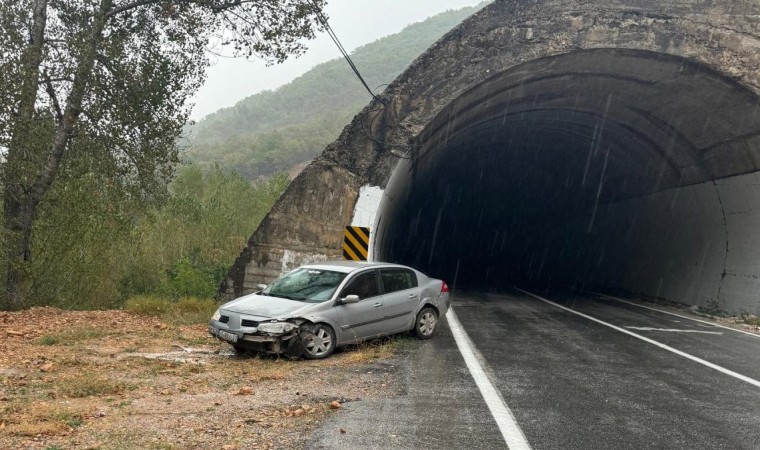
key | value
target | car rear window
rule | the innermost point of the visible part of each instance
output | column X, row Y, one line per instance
column 398, row 279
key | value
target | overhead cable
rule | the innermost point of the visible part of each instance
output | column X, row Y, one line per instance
column 323, row 20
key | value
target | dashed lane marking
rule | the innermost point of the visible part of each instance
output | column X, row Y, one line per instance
column 501, row 413
column 651, row 341
column 672, row 314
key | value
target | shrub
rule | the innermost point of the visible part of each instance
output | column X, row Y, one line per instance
column 189, row 279
column 138, row 279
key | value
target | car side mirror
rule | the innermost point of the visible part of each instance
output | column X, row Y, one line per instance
column 261, row 287
column 349, row 299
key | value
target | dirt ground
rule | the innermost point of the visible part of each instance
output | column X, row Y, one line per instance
column 114, row 379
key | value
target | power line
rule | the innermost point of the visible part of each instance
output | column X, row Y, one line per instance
column 367, row 130
column 323, row 20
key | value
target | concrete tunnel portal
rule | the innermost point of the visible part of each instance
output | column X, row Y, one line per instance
column 599, row 169
column 610, row 145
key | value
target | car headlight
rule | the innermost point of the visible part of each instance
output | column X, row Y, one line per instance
column 276, row 327
column 217, row 315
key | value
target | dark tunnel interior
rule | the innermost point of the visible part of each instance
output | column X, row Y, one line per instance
column 594, row 168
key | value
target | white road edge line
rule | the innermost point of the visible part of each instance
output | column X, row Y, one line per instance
column 501, row 413
column 651, row 341
column 672, row 314
column 672, row 330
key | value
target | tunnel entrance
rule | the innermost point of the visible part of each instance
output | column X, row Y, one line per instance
column 609, row 168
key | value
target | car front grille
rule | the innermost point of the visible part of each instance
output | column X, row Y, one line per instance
column 248, row 323
column 224, row 319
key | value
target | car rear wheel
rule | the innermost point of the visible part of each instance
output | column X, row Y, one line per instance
column 427, row 322
column 319, row 341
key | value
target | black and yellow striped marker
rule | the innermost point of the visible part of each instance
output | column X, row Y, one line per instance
column 356, row 243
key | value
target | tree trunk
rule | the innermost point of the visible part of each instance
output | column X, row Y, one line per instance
column 17, row 218
column 25, row 187
column 18, row 226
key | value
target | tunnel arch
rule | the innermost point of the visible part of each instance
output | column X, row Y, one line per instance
column 528, row 176
column 613, row 81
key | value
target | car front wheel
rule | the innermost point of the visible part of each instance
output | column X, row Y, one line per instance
column 319, row 341
column 427, row 322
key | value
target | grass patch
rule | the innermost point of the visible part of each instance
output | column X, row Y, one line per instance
column 380, row 348
column 41, row 419
column 70, row 419
column 271, row 369
column 185, row 311
column 89, row 386
column 750, row 319
column 72, row 336
column 47, row 340
column 251, row 370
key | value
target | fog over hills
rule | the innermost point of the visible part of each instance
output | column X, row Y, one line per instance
column 278, row 130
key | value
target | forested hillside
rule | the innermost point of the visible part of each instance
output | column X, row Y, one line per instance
column 104, row 235
column 275, row 130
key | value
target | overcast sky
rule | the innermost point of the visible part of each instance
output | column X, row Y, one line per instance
column 356, row 22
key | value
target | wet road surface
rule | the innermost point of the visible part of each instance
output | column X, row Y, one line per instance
column 569, row 382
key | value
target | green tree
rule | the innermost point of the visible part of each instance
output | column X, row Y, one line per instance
column 110, row 79
column 186, row 247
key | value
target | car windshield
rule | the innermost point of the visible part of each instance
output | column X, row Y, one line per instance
column 305, row 284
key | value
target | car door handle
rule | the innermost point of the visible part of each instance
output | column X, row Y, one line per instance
column 377, row 305
column 412, row 295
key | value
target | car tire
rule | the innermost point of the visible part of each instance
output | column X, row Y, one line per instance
column 426, row 323
column 319, row 341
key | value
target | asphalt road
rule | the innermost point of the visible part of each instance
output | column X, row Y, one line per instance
column 570, row 382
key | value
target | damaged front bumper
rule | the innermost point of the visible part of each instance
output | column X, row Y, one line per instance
column 272, row 339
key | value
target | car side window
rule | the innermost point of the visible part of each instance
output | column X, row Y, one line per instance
column 397, row 279
column 364, row 285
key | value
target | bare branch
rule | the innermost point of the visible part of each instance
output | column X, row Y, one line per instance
column 214, row 8
column 225, row 6
column 103, row 60
column 128, row 6
column 50, row 89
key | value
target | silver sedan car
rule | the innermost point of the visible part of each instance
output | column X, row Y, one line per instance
column 316, row 308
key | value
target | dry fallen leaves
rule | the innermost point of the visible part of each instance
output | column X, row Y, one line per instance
column 85, row 344
column 245, row 390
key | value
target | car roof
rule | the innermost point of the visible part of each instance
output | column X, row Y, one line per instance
column 350, row 266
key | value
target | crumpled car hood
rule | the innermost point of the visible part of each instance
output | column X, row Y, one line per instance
column 264, row 306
